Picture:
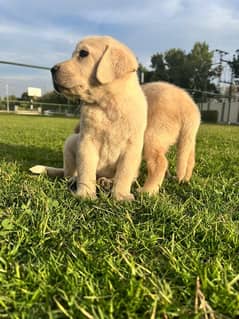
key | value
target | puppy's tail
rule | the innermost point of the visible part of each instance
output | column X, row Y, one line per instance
column 46, row 170
column 186, row 149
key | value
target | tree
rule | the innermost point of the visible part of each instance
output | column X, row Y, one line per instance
column 158, row 64
column 11, row 97
column 200, row 60
column 53, row 97
column 191, row 71
column 171, row 66
column 147, row 74
column 25, row 96
column 177, row 67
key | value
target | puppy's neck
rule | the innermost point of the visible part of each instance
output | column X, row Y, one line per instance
column 110, row 97
column 107, row 103
column 116, row 89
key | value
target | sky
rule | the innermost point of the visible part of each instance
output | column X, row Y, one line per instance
column 46, row 32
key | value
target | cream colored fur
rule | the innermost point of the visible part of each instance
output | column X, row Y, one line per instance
column 173, row 118
column 113, row 118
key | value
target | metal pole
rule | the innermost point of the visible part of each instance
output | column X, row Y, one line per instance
column 7, row 98
column 230, row 98
column 142, row 77
column 26, row 65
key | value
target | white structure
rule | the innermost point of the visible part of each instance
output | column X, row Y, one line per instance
column 34, row 92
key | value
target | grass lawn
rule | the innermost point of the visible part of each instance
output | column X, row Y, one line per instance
column 175, row 255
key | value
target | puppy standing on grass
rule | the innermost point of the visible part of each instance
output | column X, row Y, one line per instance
column 173, row 118
column 102, row 73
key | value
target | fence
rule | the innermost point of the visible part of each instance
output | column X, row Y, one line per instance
column 224, row 108
column 225, row 112
column 39, row 108
column 14, row 81
column 16, row 77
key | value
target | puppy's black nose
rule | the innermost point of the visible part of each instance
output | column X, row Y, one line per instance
column 55, row 68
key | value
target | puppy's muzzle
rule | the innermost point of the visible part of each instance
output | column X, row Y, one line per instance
column 54, row 71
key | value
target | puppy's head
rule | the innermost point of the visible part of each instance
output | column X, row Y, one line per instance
column 96, row 61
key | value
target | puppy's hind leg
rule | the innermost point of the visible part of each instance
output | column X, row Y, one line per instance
column 186, row 156
column 69, row 163
column 190, row 165
column 69, row 155
column 157, row 165
column 70, row 169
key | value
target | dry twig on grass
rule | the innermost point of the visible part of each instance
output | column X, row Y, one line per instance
column 201, row 304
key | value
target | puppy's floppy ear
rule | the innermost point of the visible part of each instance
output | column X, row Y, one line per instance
column 115, row 63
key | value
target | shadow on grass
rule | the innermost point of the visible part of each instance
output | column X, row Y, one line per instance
column 28, row 156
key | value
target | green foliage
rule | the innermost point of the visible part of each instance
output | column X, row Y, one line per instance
column 26, row 97
column 200, row 59
column 66, row 258
column 159, row 66
column 178, row 67
column 191, row 70
column 54, row 97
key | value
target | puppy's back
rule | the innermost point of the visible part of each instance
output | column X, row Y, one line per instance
column 169, row 99
column 170, row 108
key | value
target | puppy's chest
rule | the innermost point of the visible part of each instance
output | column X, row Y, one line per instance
column 104, row 131
column 110, row 148
column 109, row 136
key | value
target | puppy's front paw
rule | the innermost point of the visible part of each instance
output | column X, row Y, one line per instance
column 150, row 190
column 123, row 197
column 84, row 194
column 82, row 191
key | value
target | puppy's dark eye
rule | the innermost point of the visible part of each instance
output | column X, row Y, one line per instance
column 83, row 53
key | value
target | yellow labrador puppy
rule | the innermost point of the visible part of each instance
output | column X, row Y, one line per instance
column 103, row 73
column 173, row 117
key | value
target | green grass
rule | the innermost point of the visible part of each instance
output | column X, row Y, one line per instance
column 65, row 258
